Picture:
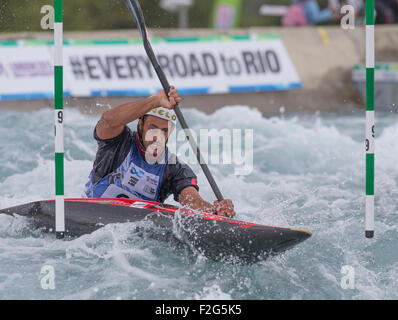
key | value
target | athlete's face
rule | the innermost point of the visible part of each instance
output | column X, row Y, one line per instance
column 155, row 132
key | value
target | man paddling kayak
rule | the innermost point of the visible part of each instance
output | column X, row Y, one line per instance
column 138, row 164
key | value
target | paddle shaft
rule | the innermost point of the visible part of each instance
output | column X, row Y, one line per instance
column 136, row 12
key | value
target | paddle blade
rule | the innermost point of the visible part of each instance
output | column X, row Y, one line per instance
column 135, row 10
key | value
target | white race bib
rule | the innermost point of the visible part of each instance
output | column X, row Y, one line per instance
column 113, row 191
column 140, row 181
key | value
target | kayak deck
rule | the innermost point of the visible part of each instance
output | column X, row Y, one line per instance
column 217, row 238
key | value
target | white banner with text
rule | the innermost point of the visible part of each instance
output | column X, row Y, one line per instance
column 203, row 65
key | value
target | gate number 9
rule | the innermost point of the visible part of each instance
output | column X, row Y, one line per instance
column 60, row 116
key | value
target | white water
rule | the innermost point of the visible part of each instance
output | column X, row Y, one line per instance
column 309, row 172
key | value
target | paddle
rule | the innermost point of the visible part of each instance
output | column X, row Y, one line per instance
column 136, row 12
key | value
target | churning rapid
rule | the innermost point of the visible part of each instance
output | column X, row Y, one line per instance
column 308, row 172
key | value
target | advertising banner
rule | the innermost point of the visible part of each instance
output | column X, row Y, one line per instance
column 215, row 64
column 25, row 72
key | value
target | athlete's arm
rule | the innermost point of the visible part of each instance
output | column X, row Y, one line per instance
column 113, row 121
column 190, row 197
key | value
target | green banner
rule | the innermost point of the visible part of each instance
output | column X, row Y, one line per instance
column 226, row 14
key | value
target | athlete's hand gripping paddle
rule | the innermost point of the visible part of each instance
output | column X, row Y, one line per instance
column 136, row 12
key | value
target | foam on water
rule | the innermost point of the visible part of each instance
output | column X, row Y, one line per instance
column 309, row 172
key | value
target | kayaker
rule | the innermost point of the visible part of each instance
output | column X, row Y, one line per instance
column 137, row 164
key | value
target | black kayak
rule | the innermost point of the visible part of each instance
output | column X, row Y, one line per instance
column 217, row 238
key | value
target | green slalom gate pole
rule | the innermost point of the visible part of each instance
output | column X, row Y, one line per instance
column 370, row 117
column 59, row 119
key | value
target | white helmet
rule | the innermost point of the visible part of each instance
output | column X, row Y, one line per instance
column 164, row 113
